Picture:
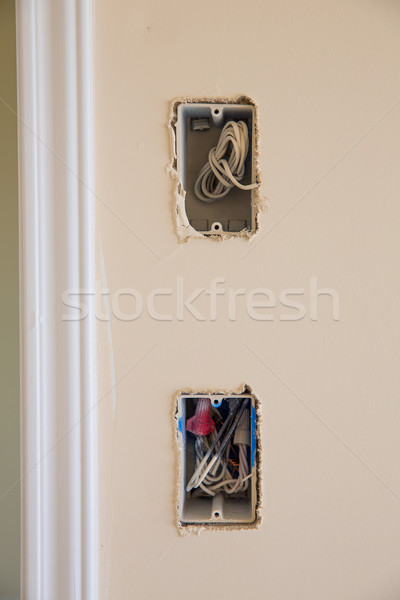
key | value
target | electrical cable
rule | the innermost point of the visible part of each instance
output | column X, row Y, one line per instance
column 233, row 406
column 226, row 164
column 216, row 475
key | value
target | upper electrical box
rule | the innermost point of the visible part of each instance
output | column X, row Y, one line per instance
column 216, row 166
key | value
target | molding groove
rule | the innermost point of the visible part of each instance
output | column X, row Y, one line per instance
column 58, row 358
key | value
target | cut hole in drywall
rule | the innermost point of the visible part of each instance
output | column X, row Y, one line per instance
column 215, row 166
column 219, row 460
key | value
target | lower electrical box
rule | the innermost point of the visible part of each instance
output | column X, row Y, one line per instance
column 217, row 436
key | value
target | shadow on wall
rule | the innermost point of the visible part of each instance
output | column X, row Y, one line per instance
column 9, row 344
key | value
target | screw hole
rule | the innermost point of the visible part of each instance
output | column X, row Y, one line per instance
column 216, row 226
column 216, row 515
column 216, row 111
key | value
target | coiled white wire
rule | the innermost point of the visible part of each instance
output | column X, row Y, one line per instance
column 225, row 167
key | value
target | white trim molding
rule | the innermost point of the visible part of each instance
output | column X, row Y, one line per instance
column 58, row 368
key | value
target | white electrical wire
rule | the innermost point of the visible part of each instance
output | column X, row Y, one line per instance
column 203, row 468
column 225, row 167
column 216, row 475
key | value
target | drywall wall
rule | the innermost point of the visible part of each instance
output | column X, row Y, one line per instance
column 325, row 77
column 9, row 346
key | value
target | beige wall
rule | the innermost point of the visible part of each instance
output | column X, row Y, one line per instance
column 9, row 347
column 326, row 79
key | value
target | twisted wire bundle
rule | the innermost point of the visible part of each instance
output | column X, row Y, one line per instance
column 219, row 476
column 226, row 164
column 216, row 475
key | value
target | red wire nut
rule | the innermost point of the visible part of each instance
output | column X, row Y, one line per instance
column 202, row 422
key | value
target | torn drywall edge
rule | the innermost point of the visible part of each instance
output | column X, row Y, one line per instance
column 184, row 529
column 184, row 230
